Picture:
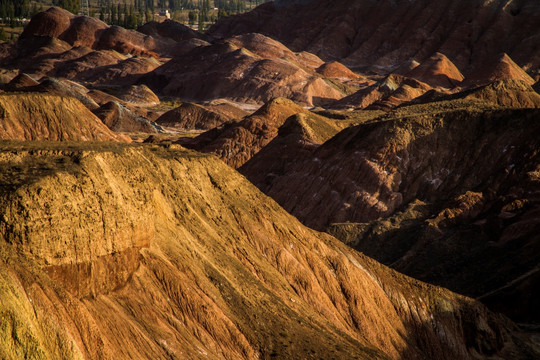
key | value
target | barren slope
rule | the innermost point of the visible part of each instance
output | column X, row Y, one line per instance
column 177, row 256
column 228, row 70
column 236, row 142
column 31, row 116
column 384, row 35
column 474, row 165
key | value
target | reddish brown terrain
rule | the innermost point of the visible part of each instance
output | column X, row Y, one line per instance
column 182, row 257
column 92, row 33
column 384, row 35
column 236, row 142
column 386, row 94
column 437, row 71
column 501, row 68
column 190, row 116
column 406, row 131
column 255, row 73
column 433, row 153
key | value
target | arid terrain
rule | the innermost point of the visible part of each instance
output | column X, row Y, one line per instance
column 311, row 179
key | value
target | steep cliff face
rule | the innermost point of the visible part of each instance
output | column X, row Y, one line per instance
column 124, row 251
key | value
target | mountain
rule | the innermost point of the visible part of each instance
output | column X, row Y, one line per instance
column 31, row 116
column 190, row 116
column 436, row 71
column 383, row 35
column 120, row 118
column 471, row 164
column 236, row 142
column 385, row 94
column 508, row 93
column 178, row 256
column 251, row 68
column 501, row 68
column 93, row 33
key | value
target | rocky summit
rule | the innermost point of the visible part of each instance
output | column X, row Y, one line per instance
column 288, row 179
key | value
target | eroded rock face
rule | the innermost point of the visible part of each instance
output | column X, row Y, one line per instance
column 225, row 70
column 466, row 161
column 175, row 254
column 34, row 116
column 93, row 33
column 386, row 94
column 384, row 35
column 508, row 93
column 190, row 116
column 501, row 67
column 120, row 118
column 236, row 142
column 436, row 71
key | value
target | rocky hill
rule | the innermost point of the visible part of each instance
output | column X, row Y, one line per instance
column 385, row 94
column 243, row 69
column 93, row 33
column 177, row 256
column 190, row 116
column 508, row 93
column 31, row 116
column 384, row 35
column 236, row 142
column 467, row 161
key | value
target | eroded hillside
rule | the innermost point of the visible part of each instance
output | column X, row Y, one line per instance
column 445, row 191
column 151, row 252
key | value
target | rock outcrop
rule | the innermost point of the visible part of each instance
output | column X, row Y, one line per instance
column 236, row 142
column 225, row 70
column 437, row 71
column 386, row 94
column 176, row 255
column 190, row 116
column 336, row 70
column 120, row 118
column 507, row 93
column 385, row 35
column 93, row 33
column 31, row 116
column 502, row 68
column 466, row 160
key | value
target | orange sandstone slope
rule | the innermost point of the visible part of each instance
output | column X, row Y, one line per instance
column 177, row 256
column 36, row 116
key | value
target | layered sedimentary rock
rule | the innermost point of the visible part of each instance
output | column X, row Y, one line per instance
column 229, row 70
column 190, row 116
column 236, row 142
column 385, row 35
column 177, row 256
column 472, row 164
column 31, row 116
